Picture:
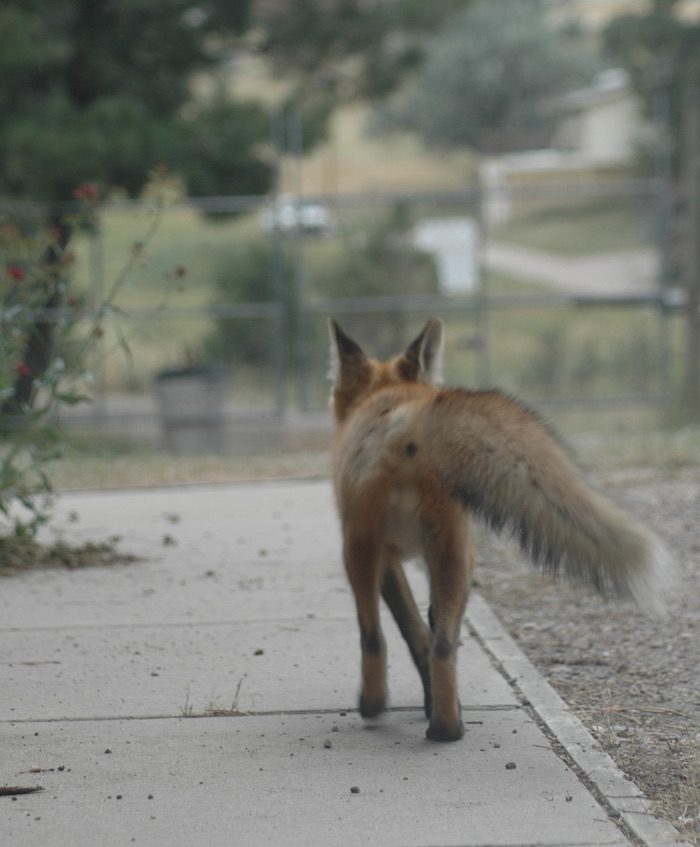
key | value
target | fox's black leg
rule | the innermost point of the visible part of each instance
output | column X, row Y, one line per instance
column 399, row 598
column 450, row 559
column 363, row 565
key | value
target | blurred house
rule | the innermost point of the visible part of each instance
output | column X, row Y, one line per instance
column 601, row 124
column 596, row 133
column 597, row 130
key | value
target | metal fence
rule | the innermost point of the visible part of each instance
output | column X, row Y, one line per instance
column 559, row 292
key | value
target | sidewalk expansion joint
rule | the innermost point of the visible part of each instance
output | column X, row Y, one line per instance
column 306, row 619
column 236, row 713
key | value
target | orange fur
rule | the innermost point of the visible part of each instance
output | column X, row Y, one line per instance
column 411, row 462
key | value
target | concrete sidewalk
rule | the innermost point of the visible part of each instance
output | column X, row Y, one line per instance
column 206, row 696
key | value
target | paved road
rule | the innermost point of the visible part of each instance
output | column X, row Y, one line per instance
column 624, row 273
column 205, row 696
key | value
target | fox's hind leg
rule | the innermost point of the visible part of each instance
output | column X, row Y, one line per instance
column 363, row 562
column 450, row 561
column 399, row 598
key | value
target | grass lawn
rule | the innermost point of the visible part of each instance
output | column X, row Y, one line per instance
column 581, row 229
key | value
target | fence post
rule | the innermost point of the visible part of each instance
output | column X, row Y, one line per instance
column 296, row 135
column 483, row 295
column 691, row 393
column 282, row 328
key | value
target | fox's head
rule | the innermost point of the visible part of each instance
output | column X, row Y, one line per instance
column 355, row 375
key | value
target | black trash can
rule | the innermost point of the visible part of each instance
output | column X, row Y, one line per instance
column 192, row 403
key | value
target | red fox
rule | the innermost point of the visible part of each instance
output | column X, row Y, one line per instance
column 411, row 462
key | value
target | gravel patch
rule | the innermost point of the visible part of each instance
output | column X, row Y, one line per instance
column 633, row 680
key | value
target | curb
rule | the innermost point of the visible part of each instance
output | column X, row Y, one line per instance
column 619, row 796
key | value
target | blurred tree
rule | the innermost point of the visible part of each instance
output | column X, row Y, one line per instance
column 351, row 47
column 487, row 72
column 661, row 52
column 344, row 49
column 97, row 89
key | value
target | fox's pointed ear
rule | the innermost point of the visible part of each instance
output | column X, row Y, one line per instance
column 423, row 356
column 345, row 354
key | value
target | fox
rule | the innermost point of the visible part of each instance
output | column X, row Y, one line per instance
column 413, row 464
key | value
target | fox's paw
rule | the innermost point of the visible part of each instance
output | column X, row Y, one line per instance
column 372, row 707
column 440, row 731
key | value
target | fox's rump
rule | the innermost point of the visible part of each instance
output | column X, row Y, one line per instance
column 501, row 462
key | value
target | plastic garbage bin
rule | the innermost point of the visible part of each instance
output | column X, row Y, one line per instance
column 191, row 402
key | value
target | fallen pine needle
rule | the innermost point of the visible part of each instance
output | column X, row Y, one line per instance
column 11, row 790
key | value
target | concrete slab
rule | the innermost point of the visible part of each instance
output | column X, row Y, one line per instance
column 142, row 671
column 268, row 780
column 245, row 604
column 222, row 553
column 595, row 766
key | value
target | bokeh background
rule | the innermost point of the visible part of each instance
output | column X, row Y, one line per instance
column 526, row 169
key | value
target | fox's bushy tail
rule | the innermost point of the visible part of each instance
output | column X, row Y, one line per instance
column 504, row 465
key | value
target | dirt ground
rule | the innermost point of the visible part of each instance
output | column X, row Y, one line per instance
column 632, row 679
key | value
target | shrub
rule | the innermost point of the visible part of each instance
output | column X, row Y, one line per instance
column 39, row 321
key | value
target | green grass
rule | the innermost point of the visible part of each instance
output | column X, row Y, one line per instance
column 184, row 238
column 579, row 229
column 136, row 345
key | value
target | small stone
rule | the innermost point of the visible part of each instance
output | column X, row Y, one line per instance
column 511, row 766
column 354, row 790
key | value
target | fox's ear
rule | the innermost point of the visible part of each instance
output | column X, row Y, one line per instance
column 345, row 354
column 423, row 356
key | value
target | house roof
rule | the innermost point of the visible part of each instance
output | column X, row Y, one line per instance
column 610, row 85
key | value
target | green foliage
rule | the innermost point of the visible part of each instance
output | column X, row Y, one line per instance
column 218, row 151
column 565, row 361
column 97, row 91
column 379, row 260
column 661, row 51
column 488, row 71
column 35, row 378
column 315, row 38
column 372, row 261
column 246, row 274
